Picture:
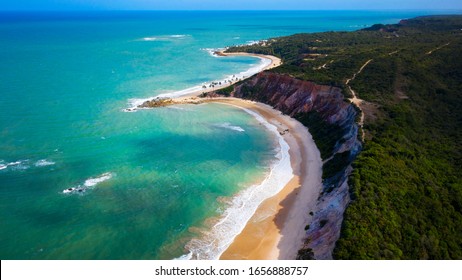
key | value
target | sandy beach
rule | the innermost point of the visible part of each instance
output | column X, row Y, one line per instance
column 268, row 62
column 277, row 228
column 275, row 61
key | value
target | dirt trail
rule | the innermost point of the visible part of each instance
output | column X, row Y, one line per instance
column 435, row 49
column 357, row 101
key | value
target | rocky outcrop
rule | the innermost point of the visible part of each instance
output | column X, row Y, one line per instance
column 156, row 102
column 325, row 227
column 299, row 99
column 164, row 102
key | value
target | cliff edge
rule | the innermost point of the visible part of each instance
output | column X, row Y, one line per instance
column 331, row 121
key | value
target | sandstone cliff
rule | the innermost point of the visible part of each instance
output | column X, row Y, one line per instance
column 331, row 121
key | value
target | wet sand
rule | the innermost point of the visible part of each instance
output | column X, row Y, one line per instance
column 276, row 230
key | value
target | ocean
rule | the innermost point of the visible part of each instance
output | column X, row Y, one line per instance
column 80, row 178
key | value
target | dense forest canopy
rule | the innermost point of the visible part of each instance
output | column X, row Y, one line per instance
column 406, row 187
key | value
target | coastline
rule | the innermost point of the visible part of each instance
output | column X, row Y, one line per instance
column 267, row 62
column 276, row 230
column 275, row 61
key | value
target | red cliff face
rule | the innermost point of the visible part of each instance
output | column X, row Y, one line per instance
column 296, row 97
column 293, row 97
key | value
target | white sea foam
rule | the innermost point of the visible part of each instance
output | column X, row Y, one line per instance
column 180, row 92
column 44, row 162
column 3, row 165
column 135, row 102
column 264, row 62
column 213, row 52
column 251, row 43
column 24, row 164
column 15, row 165
column 165, row 37
column 233, row 220
column 77, row 189
column 89, row 183
column 184, row 257
column 227, row 125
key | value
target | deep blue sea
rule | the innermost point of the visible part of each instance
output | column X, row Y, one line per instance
column 82, row 179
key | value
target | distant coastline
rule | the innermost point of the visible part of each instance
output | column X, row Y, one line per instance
column 390, row 173
column 267, row 62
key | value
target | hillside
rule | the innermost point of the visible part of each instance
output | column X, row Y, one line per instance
column 406, row 183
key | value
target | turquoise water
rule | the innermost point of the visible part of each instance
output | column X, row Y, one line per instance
column 151, row 180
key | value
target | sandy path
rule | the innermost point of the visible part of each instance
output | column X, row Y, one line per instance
column 357, row 101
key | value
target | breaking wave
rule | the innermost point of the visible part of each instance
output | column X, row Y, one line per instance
column 165, row 37
column 228, row 80
column 212, row 243
column 15, row 165
column 89, row 183
column 229, row 126
column 44, row 162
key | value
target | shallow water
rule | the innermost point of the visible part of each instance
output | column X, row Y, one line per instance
column 80, row 178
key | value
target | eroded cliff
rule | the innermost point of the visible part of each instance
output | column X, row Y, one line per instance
column 331, row 121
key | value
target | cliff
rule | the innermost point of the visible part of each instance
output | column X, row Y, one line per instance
column 331, row 121
column 406, row 188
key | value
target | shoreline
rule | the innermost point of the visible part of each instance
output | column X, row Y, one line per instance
column 275, row 61
column 267, row 62
column 242, row 206
column 276, row 230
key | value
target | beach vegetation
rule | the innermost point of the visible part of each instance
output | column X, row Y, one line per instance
column 226, row 91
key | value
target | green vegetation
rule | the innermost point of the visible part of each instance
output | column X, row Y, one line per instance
column 406, row 187
column 225, row 91
column 325, row 135
column 336, row 164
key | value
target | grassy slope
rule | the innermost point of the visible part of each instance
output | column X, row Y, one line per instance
column 406, row 186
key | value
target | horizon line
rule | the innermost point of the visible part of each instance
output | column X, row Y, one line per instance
column 224, row 10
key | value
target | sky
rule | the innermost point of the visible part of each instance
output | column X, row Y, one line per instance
column 230, row 5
